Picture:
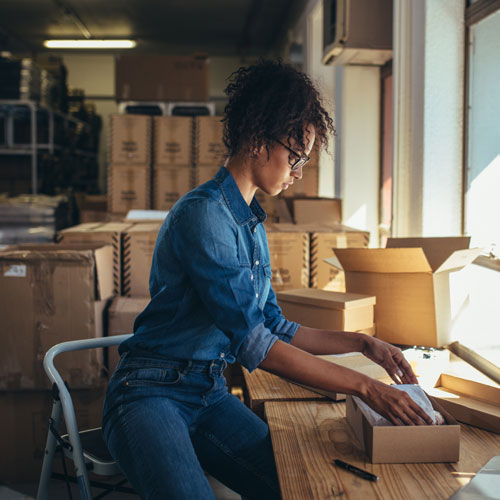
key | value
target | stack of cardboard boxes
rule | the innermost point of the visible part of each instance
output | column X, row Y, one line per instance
column 49, row 293
column 173, row 158
column 129, row 171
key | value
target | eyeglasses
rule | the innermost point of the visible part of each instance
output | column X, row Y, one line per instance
column 299, row 161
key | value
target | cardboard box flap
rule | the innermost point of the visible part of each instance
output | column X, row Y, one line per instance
column 145, row 227
column 459, row 259
column 437, row 250
column 382, row 260
column 326, row 299
column 104, row 272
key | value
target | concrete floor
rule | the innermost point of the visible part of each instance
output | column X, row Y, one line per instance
column 58, row 491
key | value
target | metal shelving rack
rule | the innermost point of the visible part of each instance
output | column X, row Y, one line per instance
column 9, row 147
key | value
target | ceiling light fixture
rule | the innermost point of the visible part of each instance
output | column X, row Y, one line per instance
column 90, row 44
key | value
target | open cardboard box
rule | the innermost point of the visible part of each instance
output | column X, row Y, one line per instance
column 328, row 310
column 417, row 299
column 406, row 444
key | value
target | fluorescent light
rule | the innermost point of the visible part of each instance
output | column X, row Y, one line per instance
column 90, row 44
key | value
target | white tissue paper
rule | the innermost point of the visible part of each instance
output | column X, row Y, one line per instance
column 414, row 391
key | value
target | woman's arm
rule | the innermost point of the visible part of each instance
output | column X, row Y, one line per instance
column 386, row 355
column 293, row 363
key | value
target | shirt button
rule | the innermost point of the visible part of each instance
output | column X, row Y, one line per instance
column 257, row 262
column 254, row 230
column 222, row 355
column 256, row 295
column 251, row 277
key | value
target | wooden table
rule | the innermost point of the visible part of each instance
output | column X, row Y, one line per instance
column 308, row 435
column 262, row 386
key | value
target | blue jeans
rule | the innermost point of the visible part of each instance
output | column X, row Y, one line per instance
column 165, row 421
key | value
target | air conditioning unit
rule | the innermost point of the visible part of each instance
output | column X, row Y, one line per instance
column 357, row 32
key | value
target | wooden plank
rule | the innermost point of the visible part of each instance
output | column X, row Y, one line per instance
column 307, row 436
column 263, row 386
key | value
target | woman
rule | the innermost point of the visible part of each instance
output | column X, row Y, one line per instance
column 168, row 415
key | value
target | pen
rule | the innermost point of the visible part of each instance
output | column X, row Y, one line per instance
column 359, row 472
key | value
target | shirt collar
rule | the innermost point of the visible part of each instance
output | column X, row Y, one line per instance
column 243, row 213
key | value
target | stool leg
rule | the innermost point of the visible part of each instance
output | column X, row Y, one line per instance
column 50, row 450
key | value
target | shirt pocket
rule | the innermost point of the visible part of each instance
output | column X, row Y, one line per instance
column 147, row 377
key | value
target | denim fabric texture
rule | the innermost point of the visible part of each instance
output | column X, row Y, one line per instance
column 166, row 422
column 210, row 282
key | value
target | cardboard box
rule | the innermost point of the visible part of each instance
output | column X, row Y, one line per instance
column 161, row 78
column 327, row 310
column 109, row 233
column 138, row 247
column 209, row 147
column 204, row 173
column 276, row 208
column 173, row 141
column 317, row 210
column 129, row 188
column 405, row 444
column 289, row 252
column 49, row 294
column 130, row 137
column 121, row 317
column 307, row 186
column 169, row 185
column 24, row 425
column 469, row 395
column 323, row 239
column 416, row 304
column 92, row 208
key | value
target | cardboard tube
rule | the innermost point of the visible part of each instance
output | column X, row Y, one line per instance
column 473, row 358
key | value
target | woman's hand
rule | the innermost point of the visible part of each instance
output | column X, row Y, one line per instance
column 391, row 359
column 395, row 405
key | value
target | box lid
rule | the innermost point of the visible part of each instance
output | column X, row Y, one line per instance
column 325, row 298
column 146, row 227
column 440, row 251
column 380, row 260
column 404, row 260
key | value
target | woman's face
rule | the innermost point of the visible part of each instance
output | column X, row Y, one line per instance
column 274, row 175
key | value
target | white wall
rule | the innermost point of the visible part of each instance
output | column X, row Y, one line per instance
column 358, row 145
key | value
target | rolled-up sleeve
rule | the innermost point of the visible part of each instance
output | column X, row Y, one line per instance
column 276, row 322
column 204, row 241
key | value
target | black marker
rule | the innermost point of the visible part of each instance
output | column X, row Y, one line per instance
column 359, row 472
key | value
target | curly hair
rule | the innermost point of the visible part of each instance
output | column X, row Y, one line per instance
column 270, row 101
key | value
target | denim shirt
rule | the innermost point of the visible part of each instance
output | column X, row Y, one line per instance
column 210, row 282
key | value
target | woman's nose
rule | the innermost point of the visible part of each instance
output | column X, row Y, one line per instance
column 297, row 174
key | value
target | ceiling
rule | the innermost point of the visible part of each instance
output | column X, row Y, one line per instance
column 215, row 27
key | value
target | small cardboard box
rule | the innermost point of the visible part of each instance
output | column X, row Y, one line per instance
column 412, row 279
column 24, row 425
column 162, row 78
column 327, row 310
column 138, row 247
column 109, row 233
column 130, row 137
column 128, row 188
column 323, row 238
column 307, row 186
column 173, row 141
column 169, row 185
column 289, row 252
column 394, row 444
column 121, row 317
column 49, row 294
column 210, row 150
column 317, row 210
